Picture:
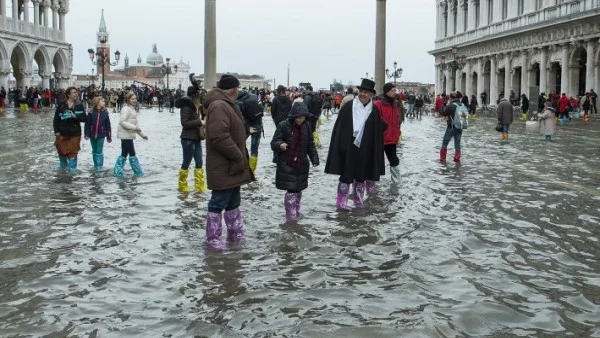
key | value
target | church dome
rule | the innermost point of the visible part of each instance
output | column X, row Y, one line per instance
column 154, row 58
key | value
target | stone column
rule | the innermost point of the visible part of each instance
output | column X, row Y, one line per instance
column 483, row 10
column 55, row 8
column 36, row 13
column 480, row 82
column 438, row 21
column 210, row 43
column 564, row 74
column 26, row 10
column 472, row 15
column 513, row 8
column 3, row 13
column 448, row 88
column 590, row 76
column 4, row 76
column 25, row 79
column 497, row 13
column 508, row 74
column 493, row 94
column 45, row 80
column 460, row 15
column 15, row 12
column 544, row 67
column 380, row 27
column 450, row 20
column 45, row 11
column 457, row 80
column 469, row 85
column 529, row 7
column 525, row 74
column 61, row 19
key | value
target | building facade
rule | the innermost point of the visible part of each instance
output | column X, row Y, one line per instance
column 33, row 31
column 525, row 46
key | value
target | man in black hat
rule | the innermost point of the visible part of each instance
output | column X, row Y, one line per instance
column 356, row 147
column 227, row 167
column 281, row 106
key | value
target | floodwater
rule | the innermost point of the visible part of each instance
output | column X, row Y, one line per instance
column 504, row 245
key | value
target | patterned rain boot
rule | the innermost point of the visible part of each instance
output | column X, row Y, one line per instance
column 199, row 181
column 370, row 187
column 235, row 225
column 135, row 166
column 342, row 196
column 359, row 194
column 290, row 202
column 182, row 182
column 213, row 232
column 119, row 163
column 443, row 153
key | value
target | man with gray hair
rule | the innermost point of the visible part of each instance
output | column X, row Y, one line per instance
column 227, row 167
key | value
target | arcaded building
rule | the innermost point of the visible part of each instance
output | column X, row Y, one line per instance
column 527, row 46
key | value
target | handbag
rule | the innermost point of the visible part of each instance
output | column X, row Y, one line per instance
column 499, row 127
column 202, row 132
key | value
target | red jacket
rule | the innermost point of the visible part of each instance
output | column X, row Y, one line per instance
column 563, row 102
column 390, row 115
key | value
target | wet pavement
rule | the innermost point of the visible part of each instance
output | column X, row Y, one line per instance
column 504, row 245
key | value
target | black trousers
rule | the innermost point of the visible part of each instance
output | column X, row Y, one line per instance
column 390, row 153
column 127, row 148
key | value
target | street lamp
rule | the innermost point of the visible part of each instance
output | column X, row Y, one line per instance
column 92, row 77
column 103, row 59
column 396, row 74
column 167, row 69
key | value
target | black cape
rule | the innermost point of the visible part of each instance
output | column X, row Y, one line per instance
column 350, row 162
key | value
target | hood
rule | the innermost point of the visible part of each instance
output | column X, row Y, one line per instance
column 184, row 101
column 216, row 94
column 298, row 109
column 243, row 95
column 503, row 99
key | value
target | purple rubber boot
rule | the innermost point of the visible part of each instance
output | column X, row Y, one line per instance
column 359, row 194
column 370, row 186
column 213, row 232
column 342, row 196
column 235, row 225
column 291, row 201
column 298, row 204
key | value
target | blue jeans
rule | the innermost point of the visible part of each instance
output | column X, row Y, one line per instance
column 228, row 199
column 97, row 145
column 450, row 133
column 505, row 128
column 255, row 141
column 410, row 108
column 191, row 149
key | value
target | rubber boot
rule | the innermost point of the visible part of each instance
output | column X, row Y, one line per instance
column 298, row 204
column 235, row 225
column 95, row 159
column 290, row 202
column 119, row 163
column 72, row 164
column 342, row 196
column 199, row 181
column 359, row 194
column 561, row 122
column 135, row 166
column 524, row 116
column 395, row 172
column 62, row 163
column 370, row 187
column 443, row 153
column 183, row 183
column 214, row 229
column 98, row 162
column 253, row 161
column 317, row 139
column 457, row 156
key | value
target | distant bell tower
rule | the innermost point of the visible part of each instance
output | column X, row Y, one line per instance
column 103, row 44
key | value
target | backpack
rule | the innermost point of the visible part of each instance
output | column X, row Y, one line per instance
column 316, row 104
column 459, row 120
column 250, row 108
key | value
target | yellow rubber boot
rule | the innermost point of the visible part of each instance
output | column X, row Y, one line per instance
column 524, row 116
column 317, row 139
column 199, row 182
column 183, row 183
column 253, row 162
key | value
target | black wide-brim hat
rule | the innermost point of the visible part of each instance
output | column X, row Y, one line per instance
column 367, row 85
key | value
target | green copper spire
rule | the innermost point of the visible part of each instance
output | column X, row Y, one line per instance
column 102, row 23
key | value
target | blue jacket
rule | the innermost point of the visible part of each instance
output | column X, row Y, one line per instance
column 97, row 125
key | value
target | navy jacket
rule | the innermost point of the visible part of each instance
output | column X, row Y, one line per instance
column 97, row 125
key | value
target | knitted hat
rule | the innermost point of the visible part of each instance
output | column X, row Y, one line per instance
column 299, row 109
column 228, row 81
column 387, row 87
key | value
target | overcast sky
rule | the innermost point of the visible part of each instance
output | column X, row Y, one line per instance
column 322, row 40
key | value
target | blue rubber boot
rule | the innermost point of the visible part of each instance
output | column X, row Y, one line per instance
column 62, row 165
column 135, row 166
column 94, row 159
column 118, row 170
column 98, row 162
column 72, row 164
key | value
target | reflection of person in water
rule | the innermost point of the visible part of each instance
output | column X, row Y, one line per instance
column 222, row 281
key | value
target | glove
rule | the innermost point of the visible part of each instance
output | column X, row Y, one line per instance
column 317, row 139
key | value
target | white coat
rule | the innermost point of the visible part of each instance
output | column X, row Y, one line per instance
column 128, row 123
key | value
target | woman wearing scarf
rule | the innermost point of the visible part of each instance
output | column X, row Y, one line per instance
column 356, row 147
column 294, row 145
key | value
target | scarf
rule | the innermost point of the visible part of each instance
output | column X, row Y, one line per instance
column 360, row 114
column 295, row 147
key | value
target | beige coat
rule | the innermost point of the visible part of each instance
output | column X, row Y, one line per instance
column 128, row 123
column 226, row 154
column 547, row 125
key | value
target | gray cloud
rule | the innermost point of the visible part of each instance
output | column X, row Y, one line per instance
column 320, row 39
